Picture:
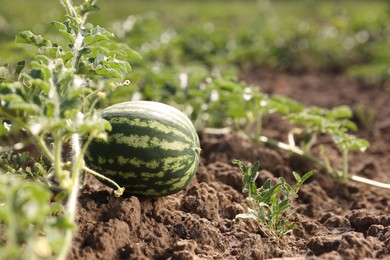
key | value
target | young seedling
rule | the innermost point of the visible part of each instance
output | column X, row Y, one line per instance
column 271, row 204
column 335, row 122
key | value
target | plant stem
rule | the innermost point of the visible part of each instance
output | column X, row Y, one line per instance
column 296, row 150
column 369, row 182
column 332, row 171
column 345, row 165
column 45, row 149
column 62, row 178
column 119, row 190
column 70, row 213
column 77, row 154
column 69, row 7
column 259, row 125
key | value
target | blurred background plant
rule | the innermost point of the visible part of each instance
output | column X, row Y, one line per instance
column 347, row 36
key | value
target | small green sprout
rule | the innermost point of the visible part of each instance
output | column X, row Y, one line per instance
column 271, row 204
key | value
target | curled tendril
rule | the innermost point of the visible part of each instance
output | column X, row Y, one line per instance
column 115, row 85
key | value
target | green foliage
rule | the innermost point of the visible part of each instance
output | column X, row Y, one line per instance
column 52, row 101
column 271, row 204
column 333, row 122
column 30, row 228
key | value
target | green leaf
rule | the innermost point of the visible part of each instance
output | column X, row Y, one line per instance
column 64, row 30
column 79, row 92
column 284, row 205
column 297, row 177
column 227, row 85
column 348, row 142
column 3, row 130
column 97, row 34
column 36, row 83
column 55, row 52
column 301, row 179
column 30, row 38
column 340, row 112
column 86, row 7
column 119, row 65
column 307, row 175
column 284, row 105
column 267, row 184
column 16, row 103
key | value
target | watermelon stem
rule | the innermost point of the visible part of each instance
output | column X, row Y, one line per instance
column 291, row 147
column 118, row 192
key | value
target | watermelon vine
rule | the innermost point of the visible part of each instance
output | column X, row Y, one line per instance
column 54, row 103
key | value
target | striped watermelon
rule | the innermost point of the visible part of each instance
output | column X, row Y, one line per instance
column 152, row 150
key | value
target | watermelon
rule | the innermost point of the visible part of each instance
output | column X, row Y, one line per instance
column 152, row 150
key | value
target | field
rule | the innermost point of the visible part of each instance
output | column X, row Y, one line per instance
column 297, row 86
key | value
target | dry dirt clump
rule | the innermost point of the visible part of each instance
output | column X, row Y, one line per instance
column 334, row 221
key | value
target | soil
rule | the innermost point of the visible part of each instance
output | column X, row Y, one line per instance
column 335, row 221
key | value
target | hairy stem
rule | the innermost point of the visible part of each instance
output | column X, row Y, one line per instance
column 296, row 150
column 345, row 165
column 57, row 164
column 119, row 190
column 323, row 165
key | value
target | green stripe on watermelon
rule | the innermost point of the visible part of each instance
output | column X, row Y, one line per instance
column 152, row 149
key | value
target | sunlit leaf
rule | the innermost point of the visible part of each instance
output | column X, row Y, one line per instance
column 340, row 112
column 97, row 34
column 30, row 38
column 63, row 29
column 86, row 7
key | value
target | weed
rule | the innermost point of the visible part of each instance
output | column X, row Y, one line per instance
column 271, row 204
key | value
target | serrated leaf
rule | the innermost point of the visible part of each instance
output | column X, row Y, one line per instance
column 30, row 38
column 87, row 7
column 101, row 70
column 49, row 51
column 59, row 26
column 108, row 72
column 97, row 34
column 55, row 53
column 119, row 65
column 64, row 30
